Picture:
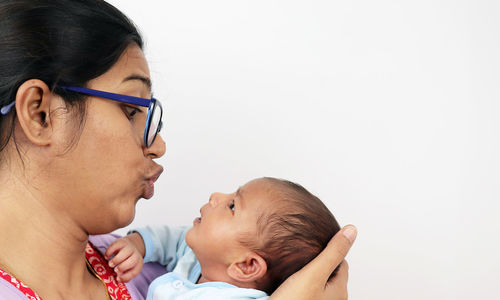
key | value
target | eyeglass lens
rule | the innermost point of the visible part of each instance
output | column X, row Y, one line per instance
column 155, row 120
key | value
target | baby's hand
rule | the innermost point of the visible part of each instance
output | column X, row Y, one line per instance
column 127, row 260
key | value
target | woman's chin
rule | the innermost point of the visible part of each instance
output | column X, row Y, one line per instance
column 122, row 220
column 120, row 215
column 127, row 219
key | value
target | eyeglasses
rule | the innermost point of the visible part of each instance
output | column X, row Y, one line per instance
column 155, row 111
column 154, row 117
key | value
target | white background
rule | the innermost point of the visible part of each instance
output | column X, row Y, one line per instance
column 387, row 110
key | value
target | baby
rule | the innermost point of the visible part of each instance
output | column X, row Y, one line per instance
column 244, row 244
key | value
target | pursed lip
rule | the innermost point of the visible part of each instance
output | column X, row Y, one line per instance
column 156, row 174
column 149, row 190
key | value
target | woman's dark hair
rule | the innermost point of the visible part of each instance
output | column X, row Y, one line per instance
column 292, row 233
column 61, row 42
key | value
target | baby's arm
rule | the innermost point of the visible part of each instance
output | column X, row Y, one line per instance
column 128, row 256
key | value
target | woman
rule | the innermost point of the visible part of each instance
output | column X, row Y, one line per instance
column 75, row 160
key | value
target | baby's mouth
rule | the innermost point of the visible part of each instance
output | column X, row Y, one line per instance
column 198, row 219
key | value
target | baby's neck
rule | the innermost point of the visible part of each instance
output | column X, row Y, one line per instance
column 202, row 279
column 248, row 285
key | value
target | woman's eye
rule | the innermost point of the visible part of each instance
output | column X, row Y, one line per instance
column 231, row 205
column 130, row 111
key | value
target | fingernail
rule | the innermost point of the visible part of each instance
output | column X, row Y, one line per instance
column 350, row 232
column 111, row 265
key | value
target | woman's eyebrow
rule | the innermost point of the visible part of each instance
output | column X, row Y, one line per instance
column 145, row 80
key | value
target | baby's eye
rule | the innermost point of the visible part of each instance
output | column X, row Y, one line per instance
column 231, row 205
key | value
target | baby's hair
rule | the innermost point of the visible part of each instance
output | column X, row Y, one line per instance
column 292, row 233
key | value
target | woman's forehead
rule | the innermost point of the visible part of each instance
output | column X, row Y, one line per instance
column 132, row 64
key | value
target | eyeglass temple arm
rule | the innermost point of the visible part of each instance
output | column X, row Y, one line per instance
column 118, row 97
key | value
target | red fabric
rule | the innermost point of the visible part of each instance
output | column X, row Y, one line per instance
column 116, row 290
column 23, row 288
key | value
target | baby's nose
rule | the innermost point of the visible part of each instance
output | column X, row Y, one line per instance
column 213, row 200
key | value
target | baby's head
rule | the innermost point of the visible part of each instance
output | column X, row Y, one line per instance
column 261, row 234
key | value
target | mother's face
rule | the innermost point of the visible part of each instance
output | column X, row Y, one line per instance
column 109, row 169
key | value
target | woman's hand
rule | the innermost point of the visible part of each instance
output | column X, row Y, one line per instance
column 311, row 282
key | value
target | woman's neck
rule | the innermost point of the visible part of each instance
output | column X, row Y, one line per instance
column 43, row 247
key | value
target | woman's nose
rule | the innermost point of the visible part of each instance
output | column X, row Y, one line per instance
column 157, row 149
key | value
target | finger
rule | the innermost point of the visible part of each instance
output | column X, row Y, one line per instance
column 342, row 275
column 113, row 248
column 336, row 288
column 128, row 264
column 120, row 257
column 323, row 265
column 127, row 276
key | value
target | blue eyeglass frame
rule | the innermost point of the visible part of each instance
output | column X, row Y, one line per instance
column 151, row 104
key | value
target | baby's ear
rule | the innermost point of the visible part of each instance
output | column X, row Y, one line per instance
column 247, row 269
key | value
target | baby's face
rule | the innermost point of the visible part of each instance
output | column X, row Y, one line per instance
column 225, row 220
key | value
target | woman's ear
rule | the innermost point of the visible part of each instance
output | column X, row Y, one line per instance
column 248, row 269
column 33, row 101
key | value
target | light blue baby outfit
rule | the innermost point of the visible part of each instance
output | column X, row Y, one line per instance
column 167, row 246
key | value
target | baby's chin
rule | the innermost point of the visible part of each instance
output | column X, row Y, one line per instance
column 191, row 242
column 189, row 238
